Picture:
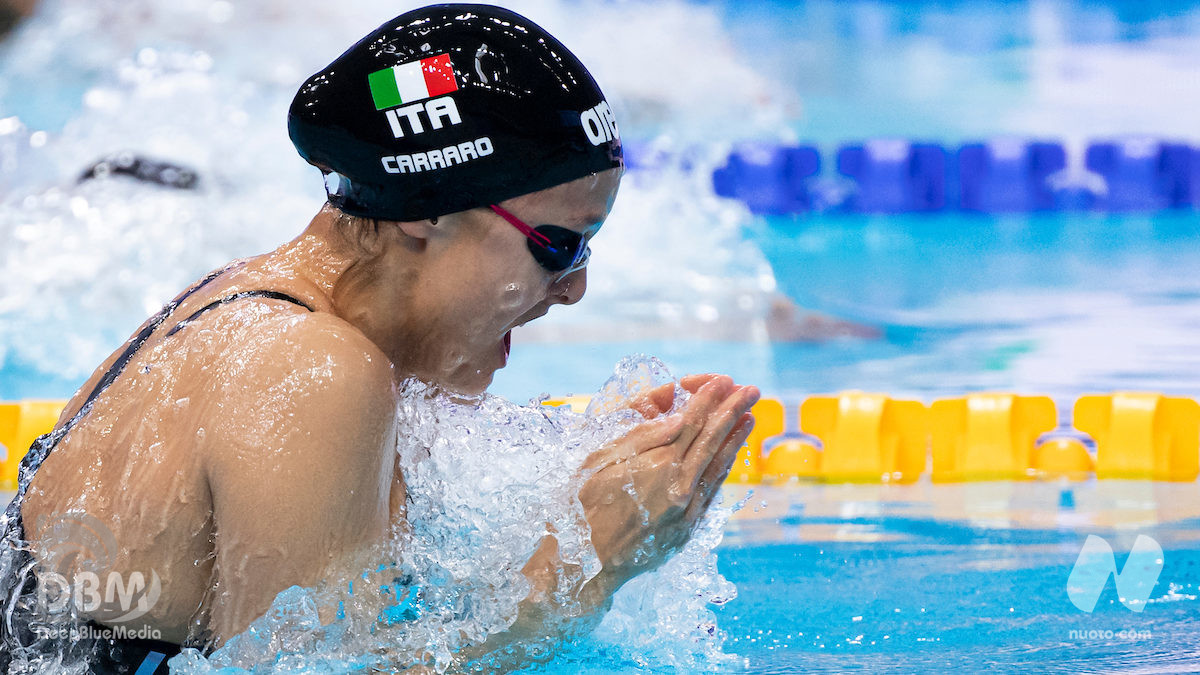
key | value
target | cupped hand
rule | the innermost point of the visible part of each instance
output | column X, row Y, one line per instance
column 656, row 401
column 650, row 488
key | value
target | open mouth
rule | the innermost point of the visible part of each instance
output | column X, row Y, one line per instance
column 507, row 345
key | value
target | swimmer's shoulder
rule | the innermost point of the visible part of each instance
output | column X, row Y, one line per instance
column 300, row 461
column 295, row 373
column 252, row 325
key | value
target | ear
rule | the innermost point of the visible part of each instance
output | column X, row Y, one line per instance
column 420, row 229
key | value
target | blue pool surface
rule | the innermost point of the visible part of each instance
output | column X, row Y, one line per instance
column 951, row 598
column 876, row 580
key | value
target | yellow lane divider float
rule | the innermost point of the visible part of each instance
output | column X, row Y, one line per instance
column 987, row 436
column 20, row 425
column 857, row 437
column 1142, row 435
column 867, row 437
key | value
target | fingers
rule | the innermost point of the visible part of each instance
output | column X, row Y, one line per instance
column 693, row 383
column 655, row 402
column 660, row 399
column 718, row 421
column 698, row 416
column 716, row 473
column 653, row 434
column 722, row 463
column 714, row 450
column 679, row 430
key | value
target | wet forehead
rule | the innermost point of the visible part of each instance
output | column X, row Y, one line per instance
column 581, row 205
column 587, row 224
column 582, row 215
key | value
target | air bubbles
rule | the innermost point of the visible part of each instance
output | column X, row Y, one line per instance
column 79, row 207
column 633, row 376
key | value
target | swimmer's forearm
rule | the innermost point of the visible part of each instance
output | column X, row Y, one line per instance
column 541, row 620
column 540, row 625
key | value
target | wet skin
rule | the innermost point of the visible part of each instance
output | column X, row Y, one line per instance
column 255, row 448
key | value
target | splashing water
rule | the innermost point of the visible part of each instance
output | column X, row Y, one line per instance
column 487, row 480
column 206, row 84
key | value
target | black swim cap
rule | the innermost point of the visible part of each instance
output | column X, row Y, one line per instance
column 449, row 108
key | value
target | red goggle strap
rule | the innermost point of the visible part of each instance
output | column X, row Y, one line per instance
column 535, row 236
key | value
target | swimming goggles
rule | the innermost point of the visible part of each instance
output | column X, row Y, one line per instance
column 556, row 249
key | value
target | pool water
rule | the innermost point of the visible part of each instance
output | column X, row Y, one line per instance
column 934, row 578
column 1060, row 303
column 973, row 577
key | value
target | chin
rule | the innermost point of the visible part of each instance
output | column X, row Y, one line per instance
column 472, row 384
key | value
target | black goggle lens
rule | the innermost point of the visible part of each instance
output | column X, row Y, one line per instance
column 565, row 248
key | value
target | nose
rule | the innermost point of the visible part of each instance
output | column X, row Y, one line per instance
column 569, row 289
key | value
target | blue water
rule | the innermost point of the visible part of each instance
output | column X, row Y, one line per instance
column 1058, row 303
column 895, row 588
column 865, row 266
column 947, row 71
column 1061, row 303
column 905, row 579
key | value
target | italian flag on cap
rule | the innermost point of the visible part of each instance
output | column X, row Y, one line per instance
column 412, row 81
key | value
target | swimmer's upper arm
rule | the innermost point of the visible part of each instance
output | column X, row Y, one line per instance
column 300, row 459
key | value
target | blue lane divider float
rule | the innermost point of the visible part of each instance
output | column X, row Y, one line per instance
column 769, row 178
column 894, row 176
column 1009, row 175
column 1143, row 175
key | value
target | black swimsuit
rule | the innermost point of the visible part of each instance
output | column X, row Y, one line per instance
column 18, row 583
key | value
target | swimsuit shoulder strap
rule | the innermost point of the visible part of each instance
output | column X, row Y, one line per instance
column 272, row 295
column 138, row 340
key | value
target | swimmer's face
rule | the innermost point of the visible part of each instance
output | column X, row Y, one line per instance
column 492, row 284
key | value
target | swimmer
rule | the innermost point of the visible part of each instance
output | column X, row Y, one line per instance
column 143, row 169
column 244, row 439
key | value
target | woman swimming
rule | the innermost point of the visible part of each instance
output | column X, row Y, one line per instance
column 244, row 440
